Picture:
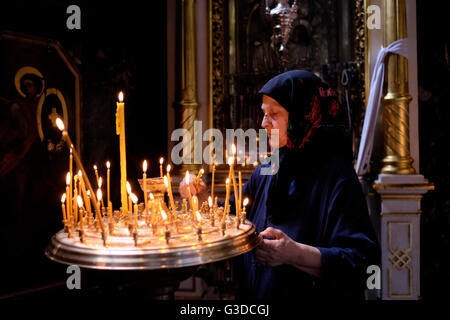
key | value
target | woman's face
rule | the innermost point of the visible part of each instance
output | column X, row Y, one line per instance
column 275, row 117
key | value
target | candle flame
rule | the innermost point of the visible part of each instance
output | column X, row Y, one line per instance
column 108, row 165
column 128, row 187
column 227, row 181
column 230, row 160
column 168, row 168
column 120, row 96
column 99, row 195
column 199, row 216
column 60, row 124
column 245, row 202
column 134, row 198
column 166, row 183
column 161, row 160
column 68, row 178
column 80, row 201
column 255, row 164
column 95, row 167
column 100, row 182
column 88, row 193
column 210, row 201
column 202, row 171
column 152, row 197
column 163, row 215
column 187, row 177
column 144, row 166
column 80, row 173
column 63, row 198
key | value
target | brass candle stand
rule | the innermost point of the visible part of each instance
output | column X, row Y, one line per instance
column 152, row 241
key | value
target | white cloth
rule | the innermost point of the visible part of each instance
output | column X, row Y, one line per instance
column 373, row 105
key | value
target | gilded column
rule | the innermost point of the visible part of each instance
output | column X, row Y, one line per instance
column 396, row 101
column 188, row 105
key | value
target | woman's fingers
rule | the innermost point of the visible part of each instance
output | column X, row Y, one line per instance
column 272, row 233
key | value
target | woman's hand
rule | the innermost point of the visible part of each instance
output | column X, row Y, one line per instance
column 275, row 252
column 283, row 250
column 198, row 191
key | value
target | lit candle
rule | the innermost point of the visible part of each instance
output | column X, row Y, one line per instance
column 74, row 199
column 198, row 179
column 169, row 191
column 108, row 173
column 161, row 161
column 188, row 188
column 69, row 196
column 63, row 207
column 84, row 193
column 240, row 195
column 80, row 210
column 211, row 211
column 227, row 198
column 129, row 202
column 233, row 179
column 135, row 201
column 212, row 183
column 243, row 210
column 96, row 173
column 194, row 205
column 100, row 183
column 66, row 138
column 120, row 130
column 99, row 196
column 144, row 182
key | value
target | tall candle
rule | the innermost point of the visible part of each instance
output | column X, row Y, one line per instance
column 233, row 179
column 129, row 202
column 80, row 210
column 63, row 207
column 135, row 211
column 120, row 130
column 69, row 195
column 212, row 183
column 243, row 210
column 227, row 198
column 84, row 193
column 75, row 198
column 99, row 196
column 199, row 177
column 100, row 183
column 144, row 182
column 96, row 173
column 240, row 194
column 108, row 175
column 169, row 191
column 194, row 205
column 161, row 161
column 188, row 188
column 69, row 198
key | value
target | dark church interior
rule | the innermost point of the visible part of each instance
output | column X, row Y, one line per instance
column 142, row 49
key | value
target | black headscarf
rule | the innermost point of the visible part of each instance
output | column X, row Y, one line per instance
column 317, row 130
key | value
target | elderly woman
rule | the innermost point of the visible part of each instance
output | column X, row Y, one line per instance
column 312, row 214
